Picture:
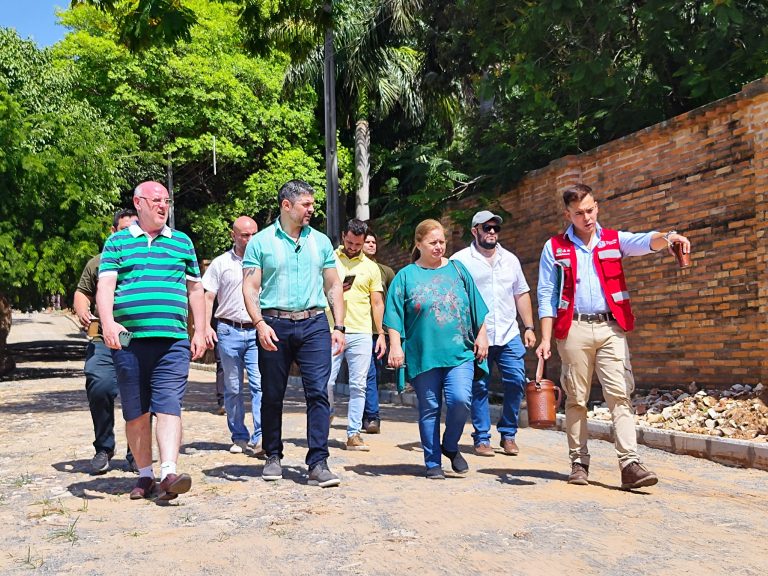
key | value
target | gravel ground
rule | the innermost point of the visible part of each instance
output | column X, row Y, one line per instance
column 510, row 514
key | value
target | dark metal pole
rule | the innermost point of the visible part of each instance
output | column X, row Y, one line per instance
column 171, row 219
column 331, row 162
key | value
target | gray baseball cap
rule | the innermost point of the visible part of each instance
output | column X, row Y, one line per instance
column 484, row 216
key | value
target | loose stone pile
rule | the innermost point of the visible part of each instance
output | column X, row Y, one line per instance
column 738, row 412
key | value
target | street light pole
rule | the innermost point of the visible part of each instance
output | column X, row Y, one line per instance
column 331, row 160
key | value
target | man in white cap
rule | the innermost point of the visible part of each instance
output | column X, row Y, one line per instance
column 499, row 277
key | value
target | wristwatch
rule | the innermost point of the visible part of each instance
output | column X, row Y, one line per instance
column 341, row 329
column 531, row 328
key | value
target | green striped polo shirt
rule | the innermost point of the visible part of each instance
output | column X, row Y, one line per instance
column 152, row 274
column 291, row 272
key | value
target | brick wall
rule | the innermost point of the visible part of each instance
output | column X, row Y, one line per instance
column 704, row 173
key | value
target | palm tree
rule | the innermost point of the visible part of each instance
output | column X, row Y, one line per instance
column 377, row 73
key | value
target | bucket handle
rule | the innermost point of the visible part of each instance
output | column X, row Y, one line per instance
column 540, row 377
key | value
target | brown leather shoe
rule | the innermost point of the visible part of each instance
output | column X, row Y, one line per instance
column 173, row 485
column 509, row 446
column 635, row 475
column 579, row 474
column 143, row 489
column 373, row 427
column 484, row 449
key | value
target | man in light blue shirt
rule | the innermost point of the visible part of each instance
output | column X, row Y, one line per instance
column 289, row 277
column 584, row 300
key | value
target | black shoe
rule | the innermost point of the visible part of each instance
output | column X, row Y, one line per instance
column 458, row 464
column 435, row 473
column 100, row 462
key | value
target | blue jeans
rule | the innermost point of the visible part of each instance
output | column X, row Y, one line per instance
column 509, row 359
column 456, row 384
column 238, row 353
column 358, row 354
column 371, row 410
column 308, row 343
column 101, row 389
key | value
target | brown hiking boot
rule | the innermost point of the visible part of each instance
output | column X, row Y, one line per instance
column 509, row 447
column 579, row 474
column 635, row 475
column 355, row 442
column 484, row 449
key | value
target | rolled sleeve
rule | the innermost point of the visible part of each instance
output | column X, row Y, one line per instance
column 546, row 290
column 632, row 244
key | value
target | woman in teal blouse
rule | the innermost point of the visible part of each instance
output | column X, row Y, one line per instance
column 433, row 312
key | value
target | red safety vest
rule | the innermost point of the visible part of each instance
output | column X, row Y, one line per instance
column 607, row 258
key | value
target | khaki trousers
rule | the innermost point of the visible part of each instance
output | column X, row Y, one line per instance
column 601, row 347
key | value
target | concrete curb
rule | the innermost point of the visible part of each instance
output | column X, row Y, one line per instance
column 726, row 451
column 742, row 453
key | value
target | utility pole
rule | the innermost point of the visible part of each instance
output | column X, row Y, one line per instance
column 331, row 162
column 171, row 219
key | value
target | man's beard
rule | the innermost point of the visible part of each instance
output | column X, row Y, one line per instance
column 487, row 244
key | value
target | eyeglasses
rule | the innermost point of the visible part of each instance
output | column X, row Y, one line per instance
column 158, row 201
column 488, row 228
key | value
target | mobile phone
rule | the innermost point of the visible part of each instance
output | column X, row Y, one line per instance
column 124, row 338
column 349, row 279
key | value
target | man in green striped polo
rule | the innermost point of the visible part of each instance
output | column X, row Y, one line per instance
column 147, row 276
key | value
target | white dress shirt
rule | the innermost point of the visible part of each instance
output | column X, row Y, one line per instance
column 498, row 283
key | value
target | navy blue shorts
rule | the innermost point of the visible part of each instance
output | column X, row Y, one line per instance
column 152, row 375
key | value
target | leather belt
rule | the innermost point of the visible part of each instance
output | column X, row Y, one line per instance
column 594, row 317
column 240, row 325
column 295, row 316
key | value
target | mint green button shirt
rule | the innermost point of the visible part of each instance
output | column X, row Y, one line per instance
column 291, row 272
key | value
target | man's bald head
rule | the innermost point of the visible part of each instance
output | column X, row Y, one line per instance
column 242, row 230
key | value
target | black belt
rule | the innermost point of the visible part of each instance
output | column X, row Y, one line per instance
column 241, row 325
column 594, row 317
column 288, row 315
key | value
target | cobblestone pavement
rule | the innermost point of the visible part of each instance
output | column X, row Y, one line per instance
column 513, row 515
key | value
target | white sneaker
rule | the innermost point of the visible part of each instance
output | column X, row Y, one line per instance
column 238, row 447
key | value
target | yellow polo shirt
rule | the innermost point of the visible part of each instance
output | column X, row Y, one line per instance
column 357, row 300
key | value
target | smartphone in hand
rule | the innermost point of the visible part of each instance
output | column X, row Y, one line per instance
column 348, row 281
column 124, row 338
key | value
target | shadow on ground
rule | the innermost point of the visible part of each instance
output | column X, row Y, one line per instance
column 53, row 401
column 386, row 469
column 244, row 472
column 48, row 350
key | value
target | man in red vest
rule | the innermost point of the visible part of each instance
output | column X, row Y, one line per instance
column 583, row 297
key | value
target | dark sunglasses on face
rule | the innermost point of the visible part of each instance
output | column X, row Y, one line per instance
column 488, row 228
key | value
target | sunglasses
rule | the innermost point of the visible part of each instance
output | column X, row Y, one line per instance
column 488, row 228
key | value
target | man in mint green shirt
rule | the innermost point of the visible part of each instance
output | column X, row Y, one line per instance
column 289, row 277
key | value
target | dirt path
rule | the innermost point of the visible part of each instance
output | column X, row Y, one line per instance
column 512, row 515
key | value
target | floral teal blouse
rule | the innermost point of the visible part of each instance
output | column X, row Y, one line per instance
column 437, row 313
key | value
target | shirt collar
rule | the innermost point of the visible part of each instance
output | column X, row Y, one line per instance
column 280, row 232
column 475, row 253
column 576, row 240
column 234, row 254
column 137, row 231
column 360, row 257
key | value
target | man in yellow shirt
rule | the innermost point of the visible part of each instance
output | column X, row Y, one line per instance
column 364, row 303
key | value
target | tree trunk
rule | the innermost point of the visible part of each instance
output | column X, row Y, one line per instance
column 362, row 169
column 7, row 363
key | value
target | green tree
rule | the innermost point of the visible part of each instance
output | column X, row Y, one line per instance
column 59, row 175
column 176, row 98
